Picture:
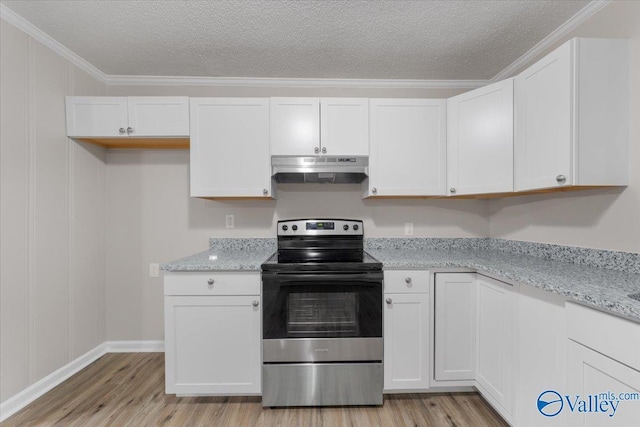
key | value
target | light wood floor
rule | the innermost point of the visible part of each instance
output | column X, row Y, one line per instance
column 128, row 390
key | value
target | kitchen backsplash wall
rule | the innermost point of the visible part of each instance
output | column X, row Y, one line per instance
column 151, row 218
column 604, row 219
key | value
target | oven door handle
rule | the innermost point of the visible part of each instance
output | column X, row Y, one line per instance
column 368, row 279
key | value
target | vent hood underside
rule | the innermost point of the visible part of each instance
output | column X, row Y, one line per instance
column 324, row 170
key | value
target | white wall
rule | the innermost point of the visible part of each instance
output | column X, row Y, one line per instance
column 151, row 218
column 52, row 204
column 606, row 219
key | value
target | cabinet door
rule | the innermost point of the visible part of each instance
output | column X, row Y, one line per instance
column 541, row 350
column 495, row 343
column 344, row 127
column 543, row 120
column 455, row 326
column 480, row 140
column 408, row 147
column 406, row 342
column 95, row 116
column 158, row 116
column 592, row 373
column 212, row 345
column 295, row 126
column 230, row 147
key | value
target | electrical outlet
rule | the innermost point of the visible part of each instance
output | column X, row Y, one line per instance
column 408, row 229
column 229, row 221
column 154, row 270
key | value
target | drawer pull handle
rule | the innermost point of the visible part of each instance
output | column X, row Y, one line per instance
column 255, row 303
column 408, row 280
column 210, row 282
column 389, row 301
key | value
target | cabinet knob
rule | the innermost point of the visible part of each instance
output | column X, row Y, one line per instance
column 561, row 179
column 324, row 150
column 129, row 131
column 316, row 150
column 265, row 192
column 255, row 303
column 374, row 190
column 389, row 301
column 407, row 280
column 122, row 131
column 452, row 190
column 210, row 282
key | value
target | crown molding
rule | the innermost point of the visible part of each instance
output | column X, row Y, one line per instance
column 114, row 80
column 572, row 23
column 18, row 21
column 123, row 80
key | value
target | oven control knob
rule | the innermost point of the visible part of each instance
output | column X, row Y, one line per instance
column 285, row 228
column 294, row 227
column 355, row 227
column 345, row 227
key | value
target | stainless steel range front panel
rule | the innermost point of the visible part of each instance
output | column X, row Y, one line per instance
column 322, row 384
column 322, row 350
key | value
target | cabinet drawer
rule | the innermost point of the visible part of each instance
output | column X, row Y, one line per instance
column 605, row 333
column 224, row 283
column 406, row 281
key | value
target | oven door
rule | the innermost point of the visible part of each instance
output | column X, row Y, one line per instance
column 311, row 317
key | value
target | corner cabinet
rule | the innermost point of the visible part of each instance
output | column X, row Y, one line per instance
column 406, row 331
column 408, row 147
column 572, row 117
column 319, row 126
column 480, row 140
column 127, row 121
column 455, row 326
column 496, row 348
column 213, row 333
column 230, row 148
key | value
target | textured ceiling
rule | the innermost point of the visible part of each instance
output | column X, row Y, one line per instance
column 429, row 40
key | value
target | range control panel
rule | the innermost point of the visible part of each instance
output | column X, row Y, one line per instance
column 320, row 227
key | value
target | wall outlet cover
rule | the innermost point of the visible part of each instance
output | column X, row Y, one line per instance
column 154, row 269
column 408, row 229
column 229, row 221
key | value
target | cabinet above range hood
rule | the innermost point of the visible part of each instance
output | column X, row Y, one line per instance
column 324, row 170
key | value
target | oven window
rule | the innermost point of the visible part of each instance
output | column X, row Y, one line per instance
column 318, row 313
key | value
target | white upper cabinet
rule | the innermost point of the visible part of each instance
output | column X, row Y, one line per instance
column 158, row 116
column 572, row 117
column 408, row 147
column 122, row 117
column 480, row 140
column 230, row 147
column 319, row 126
column 295, row 126
column 97, row 116
column 344, row 129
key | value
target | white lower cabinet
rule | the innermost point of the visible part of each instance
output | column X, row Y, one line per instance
column 212, row 343
column 603, row 363
column 541, row 354
column 406, row 332
column 495, row 335
column 595, row 384
column 455, row 326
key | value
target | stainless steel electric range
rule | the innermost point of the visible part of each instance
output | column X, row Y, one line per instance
column 322, row 317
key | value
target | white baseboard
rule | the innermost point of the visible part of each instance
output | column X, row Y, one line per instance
column 34, row 391
column 134, row 346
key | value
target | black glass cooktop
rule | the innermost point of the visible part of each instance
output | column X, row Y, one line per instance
column 367, row 263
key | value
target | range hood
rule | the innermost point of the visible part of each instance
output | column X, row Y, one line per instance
column 325, row 170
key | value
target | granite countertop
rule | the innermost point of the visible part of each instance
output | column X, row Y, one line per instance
column 602, row 288
column 601, row 279
column 227, row 255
